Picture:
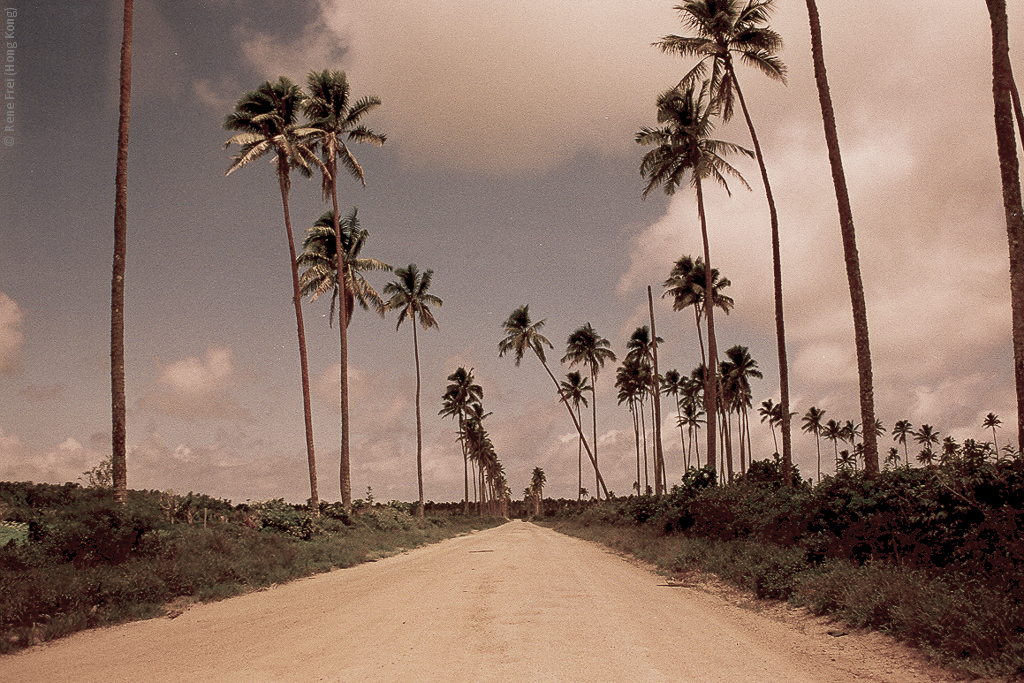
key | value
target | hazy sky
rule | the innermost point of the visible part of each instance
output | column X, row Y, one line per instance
column 510, row 169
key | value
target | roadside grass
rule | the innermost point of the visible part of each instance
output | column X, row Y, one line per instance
column 952, row 618
column 87, row 563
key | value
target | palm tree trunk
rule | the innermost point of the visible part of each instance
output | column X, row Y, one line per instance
column 860, row 316
column 636, row 441
column 579, row 459
column 593, row 405
column 307, row 411
column 579, row 429
column 1009, row 172
column 118, row 400
column 711, row 365
column 780, row 325
column 419, row 422
column 659, row 453
column 345, row 466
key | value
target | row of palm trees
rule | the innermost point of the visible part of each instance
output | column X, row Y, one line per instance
column 726, row 30
column 463, row 400
column 269, row 120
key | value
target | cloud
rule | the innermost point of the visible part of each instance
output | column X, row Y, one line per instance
column 11, row 335
column 55, row 464
column 196, row 389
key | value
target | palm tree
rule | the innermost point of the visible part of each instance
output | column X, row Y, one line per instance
column 900, row 431
column 267, row 121
column 927, row 437
column 320, row 258
column 575, row 387
column 522, row 335
column 683, row 146
column 685, row 284
column 333, row 119
column 813, row 424
column 585, row 346
column 674, row 385
column 769, row 412
column 853, row 276
column 118, row 400
column 1003, row 89
column 741, row 368
column 832, row 431
column 409, row 296
column 629, row 380
column 640, row 347
column 724, row 28
column 991, row 422
column 462, row 393
column 537, row 482
column 846, row 461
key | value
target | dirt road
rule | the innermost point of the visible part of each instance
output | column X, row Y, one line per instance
column 514, row 603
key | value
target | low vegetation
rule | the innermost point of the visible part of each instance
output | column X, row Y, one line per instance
column 931, row 556
column 71, row 559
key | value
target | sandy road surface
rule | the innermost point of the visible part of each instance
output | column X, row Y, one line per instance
column 514, row 603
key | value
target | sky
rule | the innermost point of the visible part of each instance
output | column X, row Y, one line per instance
column 511, row 170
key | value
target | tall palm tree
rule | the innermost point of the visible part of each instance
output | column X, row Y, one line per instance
column 537, row 481
column 833, row 432
column 991, row 422
column 459, row 395
column 741, row 368
column 725, row 28
column 1003, row 89
column 118, row 400
column 266, row 121
column 683, row 146
column 522, row 335
column 769, row 412
column 409, row 296
column 900, row 431
column 674, row 385
column 629, row 380
column 927, row 437
column 692, row 414
column 333, row 119
column 685, row 284
column 813, row 424
column 586, row 347
column 640, row 347
column 853, row 276
column 320, row 258
column 575, row 387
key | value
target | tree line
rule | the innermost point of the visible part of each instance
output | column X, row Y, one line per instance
column 309, row 132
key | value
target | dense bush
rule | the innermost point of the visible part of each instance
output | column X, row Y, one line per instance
column 85, row 561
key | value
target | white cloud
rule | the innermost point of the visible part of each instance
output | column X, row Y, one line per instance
column 196, row 389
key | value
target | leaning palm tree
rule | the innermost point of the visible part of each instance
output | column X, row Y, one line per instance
column 683, row 147
column 266, row 121
column 333, row 119
column 1003, row 89
column 853, row 276
column 522, row 335
column 410, row 298
column 575, row 387
column 586, row 347
column 813, row 424
column 724, row 28
column 320, row 257
column 118, row 400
